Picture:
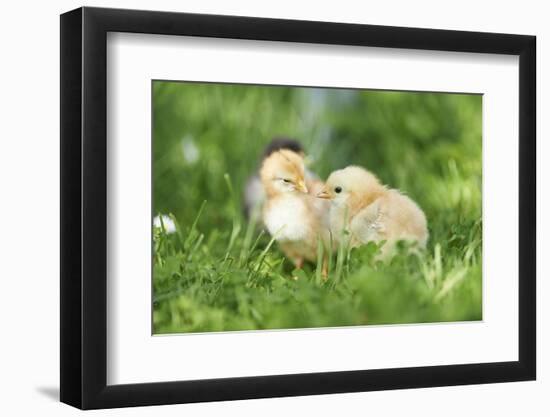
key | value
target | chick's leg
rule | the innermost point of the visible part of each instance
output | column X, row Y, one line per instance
column 324, row 270
column 298, row 263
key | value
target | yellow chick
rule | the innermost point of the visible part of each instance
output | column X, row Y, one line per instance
column 254, row 194
column 370, row 211
column 296, row 218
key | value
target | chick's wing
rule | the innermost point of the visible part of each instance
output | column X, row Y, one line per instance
column 367, row 224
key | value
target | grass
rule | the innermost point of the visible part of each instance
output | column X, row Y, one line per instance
column 218, row 272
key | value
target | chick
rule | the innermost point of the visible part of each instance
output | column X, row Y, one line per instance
column 296, row 219
column 254, row 194
column 369, row 211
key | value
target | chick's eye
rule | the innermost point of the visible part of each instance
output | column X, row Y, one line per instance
column 286, row 180
column 338, row 190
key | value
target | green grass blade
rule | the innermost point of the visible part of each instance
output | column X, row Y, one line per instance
column 319, row 267
column 193, row 229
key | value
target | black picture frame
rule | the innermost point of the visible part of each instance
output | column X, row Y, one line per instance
column 84, row 207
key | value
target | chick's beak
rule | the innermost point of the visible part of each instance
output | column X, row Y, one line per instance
column 324, row 194
column 302, row 187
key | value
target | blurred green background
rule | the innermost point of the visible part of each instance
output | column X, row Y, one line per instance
column 216, row 273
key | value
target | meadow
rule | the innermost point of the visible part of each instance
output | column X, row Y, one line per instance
column 215, row 271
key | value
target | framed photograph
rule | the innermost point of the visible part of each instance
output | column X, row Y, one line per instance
column 258, row 208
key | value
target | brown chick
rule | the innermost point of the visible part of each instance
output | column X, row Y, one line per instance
column 369, row 211
column 295, row 218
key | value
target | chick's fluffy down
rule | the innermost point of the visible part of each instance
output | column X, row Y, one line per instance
column 297, row 221
column 392, row 217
